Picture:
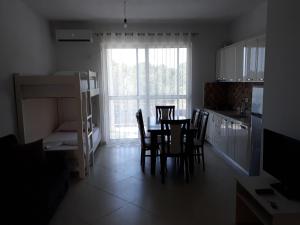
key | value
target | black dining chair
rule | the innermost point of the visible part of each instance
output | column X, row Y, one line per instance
column 145, row 140
column 165, row 112
column 195, row 116
column 199, row 140
column 176, row 130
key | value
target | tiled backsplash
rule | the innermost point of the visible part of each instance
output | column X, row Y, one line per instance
column 215, row 96
column 227, row 96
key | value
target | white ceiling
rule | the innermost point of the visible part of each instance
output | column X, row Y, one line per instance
column 141, row 10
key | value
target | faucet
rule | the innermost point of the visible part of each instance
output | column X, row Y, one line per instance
column 244, row 106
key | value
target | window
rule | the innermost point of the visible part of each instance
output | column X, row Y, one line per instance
column 143, row 78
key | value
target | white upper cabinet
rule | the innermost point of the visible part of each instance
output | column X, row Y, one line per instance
column 239, row 62
column 261, row 50
column 225, row 64
column 219, row 67
column 229, row 63
column 251, row 60
column 242, row 62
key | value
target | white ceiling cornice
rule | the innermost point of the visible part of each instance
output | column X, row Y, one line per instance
column 143, row 10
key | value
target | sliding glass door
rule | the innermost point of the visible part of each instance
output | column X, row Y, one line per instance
column 143, row 78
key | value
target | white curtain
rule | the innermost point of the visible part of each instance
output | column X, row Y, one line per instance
column 141, row 71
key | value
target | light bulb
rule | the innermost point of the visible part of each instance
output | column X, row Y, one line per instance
column 125, row 23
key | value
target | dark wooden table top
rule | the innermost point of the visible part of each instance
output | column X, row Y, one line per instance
column 155, row 126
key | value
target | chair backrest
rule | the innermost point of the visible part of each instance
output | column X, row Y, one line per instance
column 174, row 130
column 202, row 124
column 140, row 121
column 196, row 116
column 165, row 112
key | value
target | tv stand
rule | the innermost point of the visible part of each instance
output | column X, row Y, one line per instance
column 255, row 209
column 288, row 193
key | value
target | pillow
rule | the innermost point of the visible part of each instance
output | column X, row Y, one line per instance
column 53, row 144
column 68, row 126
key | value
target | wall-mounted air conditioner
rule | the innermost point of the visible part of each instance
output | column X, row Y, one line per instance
column 74, row 35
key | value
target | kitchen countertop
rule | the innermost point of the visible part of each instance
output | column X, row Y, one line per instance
column 234, row 115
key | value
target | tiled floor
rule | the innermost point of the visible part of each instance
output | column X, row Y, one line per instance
column 117, row 192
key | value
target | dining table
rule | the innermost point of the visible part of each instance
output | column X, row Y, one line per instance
column 154, row 129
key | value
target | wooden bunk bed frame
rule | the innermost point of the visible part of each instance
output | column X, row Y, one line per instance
column 63, row 86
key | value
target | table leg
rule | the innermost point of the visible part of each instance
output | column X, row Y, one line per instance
column 153, row 152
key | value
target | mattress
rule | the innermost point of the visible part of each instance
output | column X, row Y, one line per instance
column 96, row 135
column 67, row 140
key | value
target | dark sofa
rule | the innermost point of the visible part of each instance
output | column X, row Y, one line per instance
column 34, row 181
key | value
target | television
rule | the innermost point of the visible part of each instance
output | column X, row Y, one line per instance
column 281, row 159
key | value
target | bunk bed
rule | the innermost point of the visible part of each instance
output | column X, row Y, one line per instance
column 78, row 133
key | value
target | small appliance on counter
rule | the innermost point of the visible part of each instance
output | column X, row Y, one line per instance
column 256, row 129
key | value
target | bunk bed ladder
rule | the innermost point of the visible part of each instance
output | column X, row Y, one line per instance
column 88, row 129
column 90, row 135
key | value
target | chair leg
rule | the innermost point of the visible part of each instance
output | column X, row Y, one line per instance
column 191, row 160
column 202, row 154
column 198, row 154
column 162, row 166
column 143, row 160
column 186, row 168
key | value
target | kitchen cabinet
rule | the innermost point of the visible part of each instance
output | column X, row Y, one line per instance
column 242, row 62
column 231, row 127
column 239, row 61
column 217, row 132
column 223, row 134
column 210, row 129
column 219, row 65
column 225, row 64
column 251, row 60
column 242, row 146
column 261, row 50
column 229, row 63
column 230, row 137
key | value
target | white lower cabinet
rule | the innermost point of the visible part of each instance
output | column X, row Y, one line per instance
column 217, row 131
column 210, row 128
column 242, row 146
column 223, row 138
column 230, row 137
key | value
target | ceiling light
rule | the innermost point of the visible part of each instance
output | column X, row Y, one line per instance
column 125, row 20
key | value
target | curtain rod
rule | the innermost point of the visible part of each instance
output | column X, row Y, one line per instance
column 145, row 33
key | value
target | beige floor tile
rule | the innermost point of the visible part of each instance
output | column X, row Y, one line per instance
column 118, row 192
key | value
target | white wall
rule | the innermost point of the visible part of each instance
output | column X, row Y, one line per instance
column 83, row 56
column 249, row 25
column 26, row 47
column 282, row 79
